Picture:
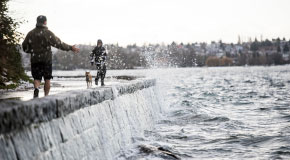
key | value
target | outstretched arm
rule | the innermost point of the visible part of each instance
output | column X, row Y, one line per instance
column 57, row 43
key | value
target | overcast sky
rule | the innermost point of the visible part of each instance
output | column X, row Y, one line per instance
column 156, row 21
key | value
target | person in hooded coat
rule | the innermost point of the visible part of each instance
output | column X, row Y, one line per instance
column 99, row 56
column 38, row 43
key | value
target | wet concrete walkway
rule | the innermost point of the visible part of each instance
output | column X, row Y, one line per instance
column 58, row 85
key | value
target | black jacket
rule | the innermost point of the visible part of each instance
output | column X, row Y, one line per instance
column 38, row 43
column 99, row 53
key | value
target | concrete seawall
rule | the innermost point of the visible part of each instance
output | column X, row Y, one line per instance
column 89, row 124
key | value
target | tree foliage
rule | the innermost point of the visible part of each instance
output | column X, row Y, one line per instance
column 215, row 61
column 286, row 48
column 10, row 59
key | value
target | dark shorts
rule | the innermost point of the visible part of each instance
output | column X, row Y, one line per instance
column 39, row 70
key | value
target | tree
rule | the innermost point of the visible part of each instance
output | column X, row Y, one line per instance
column 215, row 61
column 277, row 58
column 267, row 43
column 278, row 41
column 242, row 59
column 225, row 61
column 254, row 46
column 278, row 49
column 212, row 61
column 222, row 45
column 10, row 58
column 286, row 48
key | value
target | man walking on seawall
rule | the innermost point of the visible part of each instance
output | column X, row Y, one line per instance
column 99, row 56
column 38, row 43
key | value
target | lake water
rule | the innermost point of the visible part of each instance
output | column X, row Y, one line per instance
column 221, row 113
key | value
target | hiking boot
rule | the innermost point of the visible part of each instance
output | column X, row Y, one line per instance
column 102, row 83
column 36, row 91
column 96, row 82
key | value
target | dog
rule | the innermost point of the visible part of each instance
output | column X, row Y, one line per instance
column 89, row 79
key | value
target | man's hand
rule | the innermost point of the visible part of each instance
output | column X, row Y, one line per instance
column 75, row 49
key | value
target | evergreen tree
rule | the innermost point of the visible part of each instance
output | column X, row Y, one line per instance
column 267, row 43
column 278, row 41
column 286, row 48
column 254, row 46
column 222, row 45
column 10, row 59
column 278, row 49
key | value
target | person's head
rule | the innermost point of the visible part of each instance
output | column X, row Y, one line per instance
column 100, row 43
column 41, row 21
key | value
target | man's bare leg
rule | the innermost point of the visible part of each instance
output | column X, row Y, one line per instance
column 46, row 87
column 36, row 83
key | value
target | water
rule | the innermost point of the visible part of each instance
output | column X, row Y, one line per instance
column 220, row 113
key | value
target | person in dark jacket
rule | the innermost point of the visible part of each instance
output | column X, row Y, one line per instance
column 38, row 43
column 99, row 56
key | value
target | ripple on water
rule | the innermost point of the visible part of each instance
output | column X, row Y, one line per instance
column 208, row 93
column 242, row 102
column 281, row 153
column 217, row 119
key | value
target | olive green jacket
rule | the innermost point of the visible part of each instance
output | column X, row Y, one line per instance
column 38, row 43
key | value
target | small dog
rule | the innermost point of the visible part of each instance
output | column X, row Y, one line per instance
column 89, row 79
